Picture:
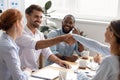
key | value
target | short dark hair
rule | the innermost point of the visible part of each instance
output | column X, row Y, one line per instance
column 32, row 7
column 70, row 16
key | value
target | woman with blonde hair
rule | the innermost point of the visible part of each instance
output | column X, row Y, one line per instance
column 11, row 24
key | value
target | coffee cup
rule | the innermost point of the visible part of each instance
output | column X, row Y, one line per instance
column 62, row 74
column 85, row 54
column 82, row 64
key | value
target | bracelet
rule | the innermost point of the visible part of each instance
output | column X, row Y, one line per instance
column 63, row 57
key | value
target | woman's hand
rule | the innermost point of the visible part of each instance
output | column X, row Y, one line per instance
column 97, row 58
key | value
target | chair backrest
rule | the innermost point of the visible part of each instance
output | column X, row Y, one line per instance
column 41, row 61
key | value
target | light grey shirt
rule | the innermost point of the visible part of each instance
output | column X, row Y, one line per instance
column 109, row 68
column 9, row 60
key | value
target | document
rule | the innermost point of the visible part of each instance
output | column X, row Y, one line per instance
column 46, row 74
column 33, row 78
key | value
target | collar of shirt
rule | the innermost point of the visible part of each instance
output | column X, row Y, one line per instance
column 28, row 31
column 11, row 41
column 62, row 33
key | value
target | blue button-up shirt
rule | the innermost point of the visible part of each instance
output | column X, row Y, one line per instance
column 62, row 48
column 9, row 60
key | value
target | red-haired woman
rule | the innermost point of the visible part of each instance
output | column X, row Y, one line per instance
column 11, row 24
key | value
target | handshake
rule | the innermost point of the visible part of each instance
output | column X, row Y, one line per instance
column 68, row 38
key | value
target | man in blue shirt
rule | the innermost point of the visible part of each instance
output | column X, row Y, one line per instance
column 63, row 50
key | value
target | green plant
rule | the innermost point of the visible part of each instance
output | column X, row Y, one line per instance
column 46, row 7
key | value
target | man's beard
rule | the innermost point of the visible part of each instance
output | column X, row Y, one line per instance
column 66, row 31
column 35, row 25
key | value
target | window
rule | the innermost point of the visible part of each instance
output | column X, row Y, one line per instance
column 97, row 9
column 104, row 10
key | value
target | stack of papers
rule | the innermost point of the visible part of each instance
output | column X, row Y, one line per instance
column 46, row 74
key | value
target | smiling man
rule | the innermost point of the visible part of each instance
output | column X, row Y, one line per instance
column 63, row 50
column 32, row 42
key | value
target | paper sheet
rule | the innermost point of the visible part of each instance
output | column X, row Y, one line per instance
column 32, row 78
column 47, row 73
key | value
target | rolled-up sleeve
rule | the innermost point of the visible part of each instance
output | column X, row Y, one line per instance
column 47, row 52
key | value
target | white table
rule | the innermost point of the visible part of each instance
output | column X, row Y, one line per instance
column 52, row 71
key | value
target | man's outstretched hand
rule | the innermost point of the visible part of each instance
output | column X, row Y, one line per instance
column 69, row 39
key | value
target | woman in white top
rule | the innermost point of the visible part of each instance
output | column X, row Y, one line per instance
column 10, row 23
column 110, row 66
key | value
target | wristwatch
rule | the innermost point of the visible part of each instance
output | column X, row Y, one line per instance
column 63, row 57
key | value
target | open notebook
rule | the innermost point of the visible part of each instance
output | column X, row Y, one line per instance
column 46, row 74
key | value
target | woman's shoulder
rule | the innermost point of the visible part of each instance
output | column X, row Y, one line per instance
column 109, row 57
column 110, row 60
column 5, row 47
column 7, row 43
column 4, row 42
